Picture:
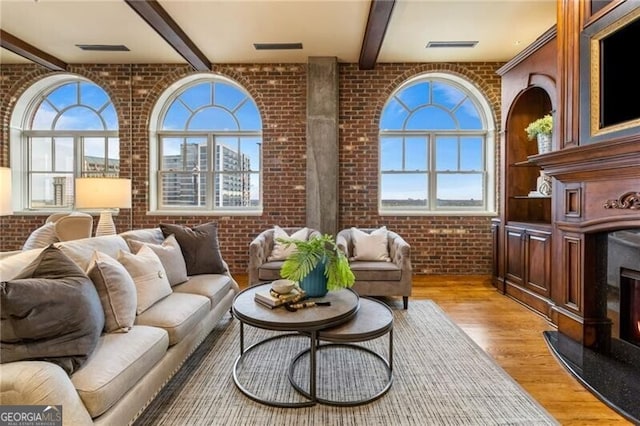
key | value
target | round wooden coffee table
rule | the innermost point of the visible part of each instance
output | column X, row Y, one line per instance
column 309, row 321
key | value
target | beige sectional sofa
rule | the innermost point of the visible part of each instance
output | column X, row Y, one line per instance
column 125, row 371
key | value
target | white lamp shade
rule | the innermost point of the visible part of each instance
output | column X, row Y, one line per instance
column 103, row 193
column 5, row 191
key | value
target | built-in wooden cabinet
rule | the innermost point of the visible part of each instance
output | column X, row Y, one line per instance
column 523, row 249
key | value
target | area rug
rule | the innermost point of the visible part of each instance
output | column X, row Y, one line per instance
column 440, row 377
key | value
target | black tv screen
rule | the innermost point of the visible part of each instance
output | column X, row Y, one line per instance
column 619, row 76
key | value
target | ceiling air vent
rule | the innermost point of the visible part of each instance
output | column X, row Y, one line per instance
column 277, row 46
column 104, row 47
column 451, row 44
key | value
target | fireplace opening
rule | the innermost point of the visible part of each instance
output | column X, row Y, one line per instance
column 611, row 370
column 623, row 285
column 630, row 306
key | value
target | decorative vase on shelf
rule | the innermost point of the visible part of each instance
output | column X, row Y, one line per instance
column 543, row 184
column 544, row 142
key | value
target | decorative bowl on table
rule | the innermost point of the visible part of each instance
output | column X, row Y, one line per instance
column 283, row 286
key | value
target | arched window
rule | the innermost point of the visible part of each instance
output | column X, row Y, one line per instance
column 206, row 151
column 67, row 128
column 436, row 148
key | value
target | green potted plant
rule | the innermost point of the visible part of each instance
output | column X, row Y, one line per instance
column 317, row 265
column 541, row 130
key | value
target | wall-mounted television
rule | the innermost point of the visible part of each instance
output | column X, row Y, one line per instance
column 609, row 77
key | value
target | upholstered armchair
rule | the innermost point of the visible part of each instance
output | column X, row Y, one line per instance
column 376, row 276
column 264, row 263
column 71, row 226
column 60, row 227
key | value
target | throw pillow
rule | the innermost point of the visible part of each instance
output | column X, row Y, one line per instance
column 281, row 251
column 373, row 246
column 41, row 237
column 51, row 311
column 117, row 292
column 199, row 247
column 170, row 255
column 148, row 276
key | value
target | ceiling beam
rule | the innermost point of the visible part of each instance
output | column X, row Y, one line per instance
column 159, row 20
column 32, row 53
column 379, row 16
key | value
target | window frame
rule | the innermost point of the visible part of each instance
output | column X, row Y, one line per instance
column 21, row 135
column 157, row 134
column 488, row 173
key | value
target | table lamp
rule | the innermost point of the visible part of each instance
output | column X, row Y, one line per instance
column 103, row 193
column 5, row 192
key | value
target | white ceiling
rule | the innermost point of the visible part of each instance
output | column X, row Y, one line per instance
column 225, row 30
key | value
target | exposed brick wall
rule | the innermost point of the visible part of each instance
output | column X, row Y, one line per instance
column 441, row 245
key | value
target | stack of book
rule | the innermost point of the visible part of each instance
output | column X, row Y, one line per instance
column 270, row 300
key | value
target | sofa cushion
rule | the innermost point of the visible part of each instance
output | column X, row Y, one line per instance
column 215, row 287
column 375, row 271
column 81, row 251
column 177, row 314
column 41, row 237
column 170, row 255
column 270, row 271
column 117, row 292
column 50, row 311
column 199, row 247
column 280, row 250
column 119, row 362
column 370, row 246
column 148, row 275
column 11, row 266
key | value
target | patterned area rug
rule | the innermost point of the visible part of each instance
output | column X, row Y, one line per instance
column 440, row 377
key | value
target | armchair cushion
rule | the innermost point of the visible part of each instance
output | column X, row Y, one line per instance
column 280, row 250
column 370, row 246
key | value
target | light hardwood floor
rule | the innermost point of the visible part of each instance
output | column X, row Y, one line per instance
column 512, row 335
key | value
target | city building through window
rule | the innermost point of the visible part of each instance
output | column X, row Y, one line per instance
column 63, row 127
column 207, row 150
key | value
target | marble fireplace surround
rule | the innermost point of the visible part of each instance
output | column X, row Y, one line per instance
column 596, row 192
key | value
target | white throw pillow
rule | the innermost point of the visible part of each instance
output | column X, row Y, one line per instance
column 148, row 275
column 117, row 292
column 371, row 246
column 41, row 237
column 170, row 255
column 281, row 251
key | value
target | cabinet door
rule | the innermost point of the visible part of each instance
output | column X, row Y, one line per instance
column 514, row 252
column 538, row 262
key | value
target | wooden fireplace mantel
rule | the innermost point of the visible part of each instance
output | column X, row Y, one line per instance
column 619, row 158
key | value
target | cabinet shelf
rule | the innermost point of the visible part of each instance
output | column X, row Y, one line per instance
column 525, row 163
column 527, row 197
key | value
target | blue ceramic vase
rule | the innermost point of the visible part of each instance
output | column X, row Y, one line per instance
column 315, row 284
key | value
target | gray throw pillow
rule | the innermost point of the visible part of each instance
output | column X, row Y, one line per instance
column 51, row 311
column 199, row 246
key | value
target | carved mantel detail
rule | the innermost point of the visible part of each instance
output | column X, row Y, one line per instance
column 628, row 200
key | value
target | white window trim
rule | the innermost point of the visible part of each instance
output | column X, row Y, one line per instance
column 486, row 115
column 157, row 112
column 19, row 158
